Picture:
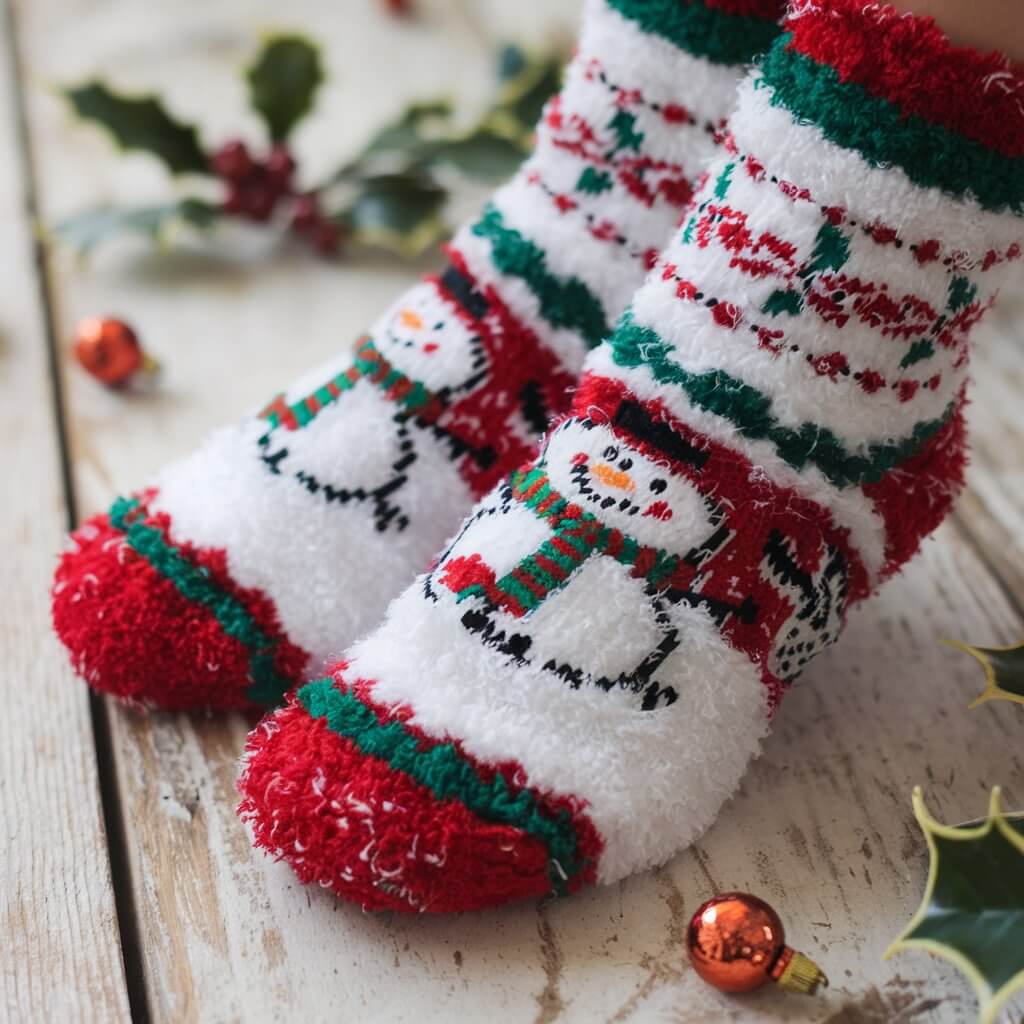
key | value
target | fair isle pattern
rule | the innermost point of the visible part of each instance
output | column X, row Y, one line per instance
column 346, row 483
column 774, row 426
column 617, row 151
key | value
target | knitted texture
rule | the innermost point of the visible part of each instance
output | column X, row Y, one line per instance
column 771, row 431
column 324, row 505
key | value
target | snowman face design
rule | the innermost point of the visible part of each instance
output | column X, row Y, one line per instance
column 424, row 338
column 627, row 490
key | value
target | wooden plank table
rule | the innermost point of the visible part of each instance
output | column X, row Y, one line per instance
column 128, row 886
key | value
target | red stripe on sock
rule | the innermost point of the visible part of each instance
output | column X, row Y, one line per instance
column 910, row 62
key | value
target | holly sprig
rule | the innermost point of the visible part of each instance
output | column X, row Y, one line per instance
column 391, row 194
column 1004, row 671
column 972, row 910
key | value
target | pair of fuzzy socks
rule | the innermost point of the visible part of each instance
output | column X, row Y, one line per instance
column 575, row 686
column 283, row 538
column 771, row 430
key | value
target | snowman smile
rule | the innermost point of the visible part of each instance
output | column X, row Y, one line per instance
column 609, row 484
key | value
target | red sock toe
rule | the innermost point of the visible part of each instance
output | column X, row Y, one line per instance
column 153, row 621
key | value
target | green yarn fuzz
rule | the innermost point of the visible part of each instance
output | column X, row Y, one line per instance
column 750, row 411
column 446, row 773
column 709, row 32
column 568, row 303
column 783, row 301
column 593, row 181
column 849, row 116
column 195, row 584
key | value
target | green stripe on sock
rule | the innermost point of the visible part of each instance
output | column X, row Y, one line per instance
column 563, row 303
column 750, row 411
column 849, row 116
column 717, row 35
column 446, row 773
column 195, row 584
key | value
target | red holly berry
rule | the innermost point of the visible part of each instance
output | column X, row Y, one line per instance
column 305, row 213
column 399, row 7
column 232, row 161
column 327, row 237
column 280, row 167
column 259, row 198
column 235, row 201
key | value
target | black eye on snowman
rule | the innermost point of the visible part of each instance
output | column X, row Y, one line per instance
column 611, row 453
column 626, row 464
column 658, row 485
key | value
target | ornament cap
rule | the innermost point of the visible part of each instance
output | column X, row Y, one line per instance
column 794, row 972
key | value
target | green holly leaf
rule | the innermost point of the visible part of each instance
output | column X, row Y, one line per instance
column 283, row 83
column 482, row 154
column 526, row 86
column 407, row 130
column 398, row 212
column 1004, row 671
column 972, row 912
column 402, row 137
column 84, row 231
column 141, row 122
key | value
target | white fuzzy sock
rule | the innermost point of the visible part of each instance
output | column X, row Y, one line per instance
column 257, row 559
column 578, row 684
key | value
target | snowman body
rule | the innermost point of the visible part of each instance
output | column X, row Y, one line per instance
column 576, row 580
column 363, row 434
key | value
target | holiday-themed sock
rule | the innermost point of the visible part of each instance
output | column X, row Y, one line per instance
column 573, row 690
column 256, row 560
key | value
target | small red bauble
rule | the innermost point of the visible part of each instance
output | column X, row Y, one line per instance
column 109, row 349
column 737, row 943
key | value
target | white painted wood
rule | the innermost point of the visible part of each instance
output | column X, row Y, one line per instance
column 822, row 826
column 60, row 954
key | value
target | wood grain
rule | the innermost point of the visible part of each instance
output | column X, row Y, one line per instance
column 822, row 825
column 60, row 958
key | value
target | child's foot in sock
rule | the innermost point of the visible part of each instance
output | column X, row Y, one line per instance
column 576, row 687
column 255, row 561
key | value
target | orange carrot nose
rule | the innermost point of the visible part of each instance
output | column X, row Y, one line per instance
column 612, row 477
column 411, row 319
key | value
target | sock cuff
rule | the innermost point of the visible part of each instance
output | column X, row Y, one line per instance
column 721, row 31
column 909, row 61
column 893, row 87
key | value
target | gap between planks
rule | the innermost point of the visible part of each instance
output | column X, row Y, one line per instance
column 99, row 721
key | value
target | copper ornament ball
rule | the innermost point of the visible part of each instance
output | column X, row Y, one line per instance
column 734, row 940
column 109, row 349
